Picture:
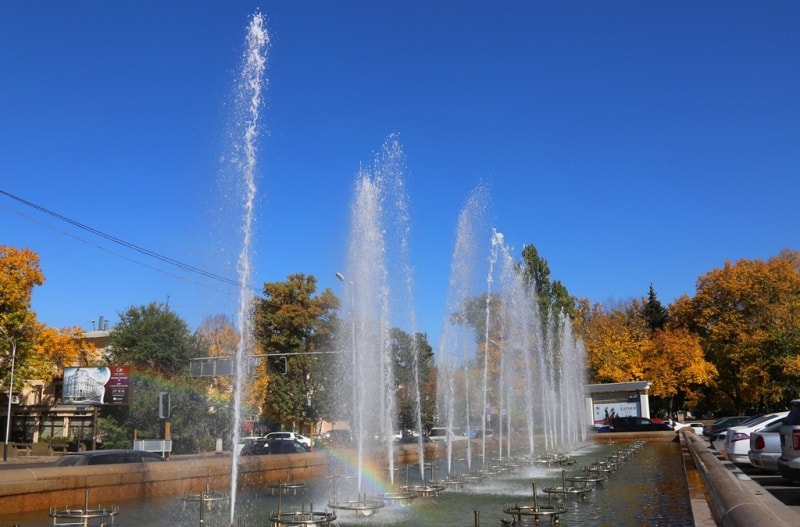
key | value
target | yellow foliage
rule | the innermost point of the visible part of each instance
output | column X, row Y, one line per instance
column 676, row 362
column 615, row 345
column 19, row 273
column 747, row 315
column 54, row 349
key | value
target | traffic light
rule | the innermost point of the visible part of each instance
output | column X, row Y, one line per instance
column 282, row 364
column 163, row 405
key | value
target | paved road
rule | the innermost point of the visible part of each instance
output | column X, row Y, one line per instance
column 27, row 462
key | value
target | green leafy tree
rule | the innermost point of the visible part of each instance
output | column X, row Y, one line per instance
column 291, row 321
column 154, row 339
column 654, row 313
column 196, row 420
column 413, row 364
column 157, row 344
column 553, row 295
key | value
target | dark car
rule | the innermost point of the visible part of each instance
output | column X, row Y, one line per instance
column 337, row 437
column 413, row 440
column 636, row 424
column 480, row 432
column 263, row 447
column 106, row 457
column 713, row 430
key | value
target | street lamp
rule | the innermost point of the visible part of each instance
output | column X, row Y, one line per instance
column 10, row 388
column 355, row 420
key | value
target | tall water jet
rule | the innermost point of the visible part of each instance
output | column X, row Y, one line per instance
column 542, row 364
column 532, row 367
column 519, row 335
column 497, row 242
column 457, row 342
column 248, row 99
column 377, row 293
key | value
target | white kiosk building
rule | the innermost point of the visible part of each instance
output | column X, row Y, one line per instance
column 617, row 399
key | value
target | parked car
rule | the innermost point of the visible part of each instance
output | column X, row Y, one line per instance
column 439, row 435
column 789, row 462
column 717, row 439
column 711, row 431
column 765, row 447
column 337, row 437
column 636, row 424
column 254, row 447
column 291, row 436
column 413, row 440
column 406, row 436
column 737, row 438
column 697, row 428
column 283, row 446
column 478, row 433
column 245, row 441
column 106, row 457
column 265, row 447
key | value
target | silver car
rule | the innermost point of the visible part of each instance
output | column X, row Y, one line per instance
column 765, row 448
column 290, row 436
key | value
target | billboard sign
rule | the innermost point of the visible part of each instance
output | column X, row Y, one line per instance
column 606, row 413
column 101, row 385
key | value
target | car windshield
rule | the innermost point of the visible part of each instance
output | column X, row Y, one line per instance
column 71, row 460
column 774, row 427
column 757, row 420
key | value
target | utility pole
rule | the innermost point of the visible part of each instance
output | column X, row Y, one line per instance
column 10, row 391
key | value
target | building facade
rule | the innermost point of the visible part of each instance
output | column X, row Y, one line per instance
column 38, row 412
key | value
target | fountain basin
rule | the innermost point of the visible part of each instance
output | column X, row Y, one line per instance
column 40, row 488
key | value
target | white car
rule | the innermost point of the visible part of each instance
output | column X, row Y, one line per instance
column 439, row 435
column 737, row 438
column 289, row 436
column 697, row 428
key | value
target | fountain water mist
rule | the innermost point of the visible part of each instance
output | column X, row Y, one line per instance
column 249, row 101
column 378, row 292
column 456, row 345
column 542, row 365
column 497, row 241
column 532, row 368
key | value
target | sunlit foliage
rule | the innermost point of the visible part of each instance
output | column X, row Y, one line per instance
column 291, row 319
column 747, row 315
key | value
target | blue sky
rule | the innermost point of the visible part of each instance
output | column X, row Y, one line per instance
column 630, row 142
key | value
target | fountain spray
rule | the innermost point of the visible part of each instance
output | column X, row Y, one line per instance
column 249, row 89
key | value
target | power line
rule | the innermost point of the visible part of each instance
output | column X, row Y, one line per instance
column 129, row 245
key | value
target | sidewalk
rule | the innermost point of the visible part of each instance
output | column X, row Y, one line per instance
column 23, row 459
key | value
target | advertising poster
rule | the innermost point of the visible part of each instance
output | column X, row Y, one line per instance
column 605, row 413
column 97, row 385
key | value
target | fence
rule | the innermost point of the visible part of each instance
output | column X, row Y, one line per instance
column 164, row 446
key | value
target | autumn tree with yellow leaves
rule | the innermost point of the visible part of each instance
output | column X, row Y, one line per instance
column 292, row 320
column 220, row 338
column 19, row 274
column 41, row 351
column 636, row 342
column 747, row 317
